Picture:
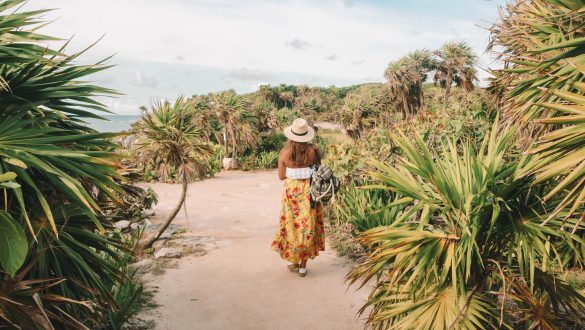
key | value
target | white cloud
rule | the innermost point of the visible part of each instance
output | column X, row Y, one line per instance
column 250, row 74
column 349, row 3
column 298, row 44
column 142, row 79
column 331, row 57
column 199, row 42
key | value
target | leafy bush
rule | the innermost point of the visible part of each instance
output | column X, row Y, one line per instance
column 285, row 116
column 370, row 208
column 271, row 142
column 263, row 160
column 134, row 201
column 212, row 165
column 341, row 237
column 265, row 155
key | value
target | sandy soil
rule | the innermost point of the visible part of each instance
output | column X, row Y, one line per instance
column 243, row 284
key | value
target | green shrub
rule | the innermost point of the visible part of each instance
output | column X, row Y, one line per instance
column 369, row 208
column 263, row 160
column 128, row 293
column 271, row 142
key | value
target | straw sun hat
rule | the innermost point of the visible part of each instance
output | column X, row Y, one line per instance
column 299, row 131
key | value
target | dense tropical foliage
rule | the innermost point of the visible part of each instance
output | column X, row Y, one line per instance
column 464, row 205
column 474, row 231
column 57, row 266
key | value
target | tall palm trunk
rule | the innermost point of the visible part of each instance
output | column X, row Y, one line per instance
column 234, row 141
column 225, row 136
column 404, row 106
column 448, row 83
column 170, row 218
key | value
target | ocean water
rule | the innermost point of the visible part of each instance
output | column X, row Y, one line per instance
column 114, row 123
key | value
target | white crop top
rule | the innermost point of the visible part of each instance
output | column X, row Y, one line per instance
column 299, row 173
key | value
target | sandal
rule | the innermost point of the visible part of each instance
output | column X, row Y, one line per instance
column 293, row 267
column 302, row 272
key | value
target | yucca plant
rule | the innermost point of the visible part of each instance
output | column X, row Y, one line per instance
column 542, row 86
column 477, row 246
column 169, row 138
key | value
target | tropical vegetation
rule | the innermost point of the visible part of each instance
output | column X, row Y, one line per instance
column 169, row 138
column 479, row 230
column 463, row 206
column 58, row 265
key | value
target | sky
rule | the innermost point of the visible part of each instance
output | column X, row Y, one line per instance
column 163, row 49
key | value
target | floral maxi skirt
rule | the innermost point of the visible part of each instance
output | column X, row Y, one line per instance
column 301, row 234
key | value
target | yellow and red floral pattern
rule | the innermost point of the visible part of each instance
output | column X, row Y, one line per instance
column 300, row 234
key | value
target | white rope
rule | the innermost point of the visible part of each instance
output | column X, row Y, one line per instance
column 331, row 187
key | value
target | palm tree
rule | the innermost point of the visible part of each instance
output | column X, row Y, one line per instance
column 170, row 139
column 399, row 78
column 405, row 78
column 205, row 117
column 239, row 124
column 454, row 63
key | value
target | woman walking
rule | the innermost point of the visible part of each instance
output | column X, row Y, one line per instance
column 301, row 235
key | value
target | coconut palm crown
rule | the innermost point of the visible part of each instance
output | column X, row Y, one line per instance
column 169, row 139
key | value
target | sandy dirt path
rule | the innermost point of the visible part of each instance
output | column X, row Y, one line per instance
column 243, row 284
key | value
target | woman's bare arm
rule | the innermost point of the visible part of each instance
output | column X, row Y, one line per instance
column 281, row 166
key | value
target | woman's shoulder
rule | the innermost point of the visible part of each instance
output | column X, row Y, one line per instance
column 284, row 153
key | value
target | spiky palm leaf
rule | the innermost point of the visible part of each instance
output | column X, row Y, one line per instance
column 544, row 86
column 61, row 165
column 478, row 214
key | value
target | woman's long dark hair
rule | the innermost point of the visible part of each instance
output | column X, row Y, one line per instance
column 299, row 151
